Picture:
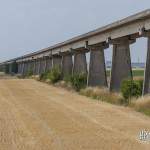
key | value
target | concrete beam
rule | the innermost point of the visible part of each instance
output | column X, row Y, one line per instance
column 80, row 64
column 121, row 64
column 97, row 70
column 146, row 88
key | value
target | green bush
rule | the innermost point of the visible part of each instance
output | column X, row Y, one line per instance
column 130, row 88
column 67, row 78
column 78, row 81
column 43, row 76
column 29, row 73
column 54, row 75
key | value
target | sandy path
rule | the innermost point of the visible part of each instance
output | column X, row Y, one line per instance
column 36, row 116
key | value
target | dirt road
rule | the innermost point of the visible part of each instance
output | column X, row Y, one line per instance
column 36, row 116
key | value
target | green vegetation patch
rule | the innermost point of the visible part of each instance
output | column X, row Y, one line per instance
column 130, row 88
column 138, row 72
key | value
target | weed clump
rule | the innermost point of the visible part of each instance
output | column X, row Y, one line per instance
column 130, row 88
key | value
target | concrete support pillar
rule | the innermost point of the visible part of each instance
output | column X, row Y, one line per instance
column 80, row 64
column 38, row 66
column 28, row 66
column 22, row 68
column 67, row 64
column 19, row 67
column 97, row 70
column 121, row 64
column 48, row 63
column 42, row 65
column 57, row 61
column 10, row 68
column 34, row 66
column 25, row 68
column 146, row 88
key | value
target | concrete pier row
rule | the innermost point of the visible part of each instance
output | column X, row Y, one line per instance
column 70, row 55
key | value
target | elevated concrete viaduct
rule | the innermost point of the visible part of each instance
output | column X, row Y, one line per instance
column 120, row 34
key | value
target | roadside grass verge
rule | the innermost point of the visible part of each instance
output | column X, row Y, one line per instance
column 128, row 98
column 142, row 105
column 103, row 94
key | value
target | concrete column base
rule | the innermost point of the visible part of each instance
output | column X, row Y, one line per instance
column 67, row 65
column 80, row 64
column 121, row 64
column 146, row 88
column 97, row 71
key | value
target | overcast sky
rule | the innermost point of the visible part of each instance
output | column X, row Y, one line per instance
column 29, row 25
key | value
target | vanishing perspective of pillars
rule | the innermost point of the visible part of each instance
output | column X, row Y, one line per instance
column 48, row 63
column 67, row 64
column 80, row 64
column 121, row 64
column 97, row 70
column 57, row 61
column 146, row 88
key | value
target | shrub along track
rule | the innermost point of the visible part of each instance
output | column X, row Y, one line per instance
column 36, row 116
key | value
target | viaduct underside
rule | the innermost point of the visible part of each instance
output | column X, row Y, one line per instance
column 70, row 56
